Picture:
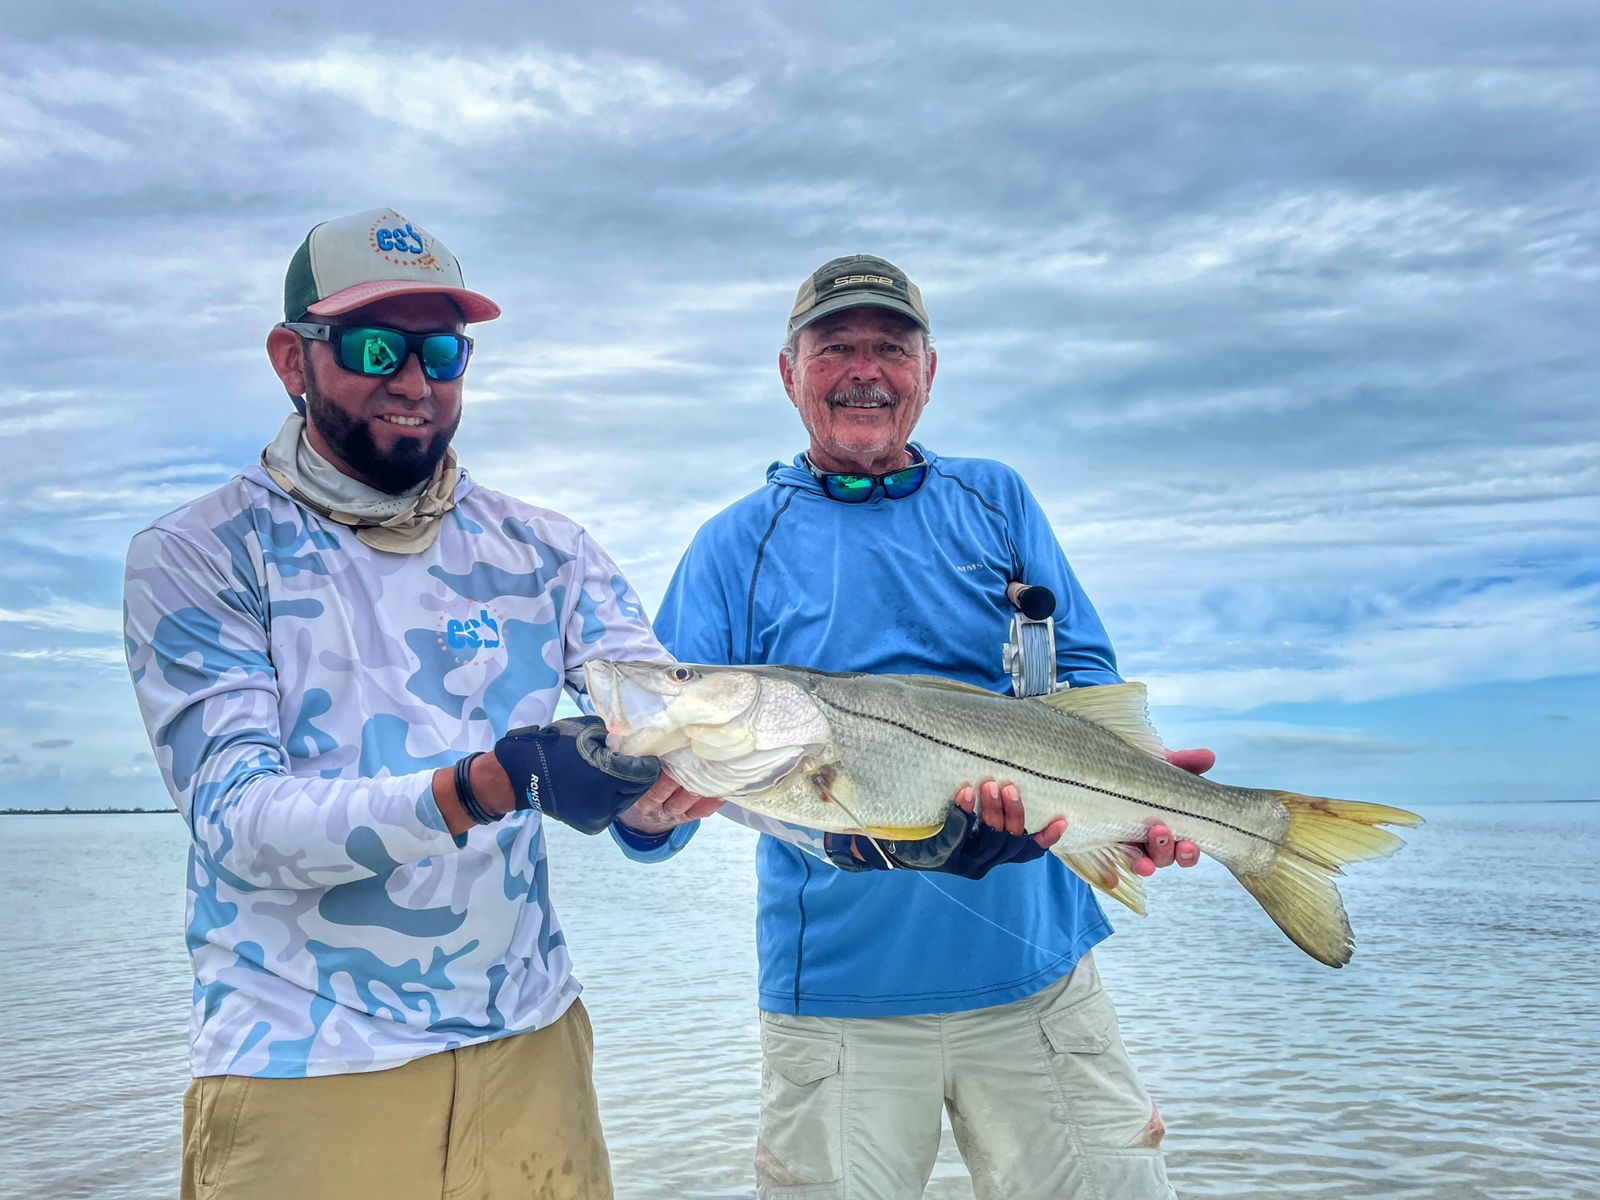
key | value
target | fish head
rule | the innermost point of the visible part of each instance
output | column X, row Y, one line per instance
column 654, row 708
column 721, row 731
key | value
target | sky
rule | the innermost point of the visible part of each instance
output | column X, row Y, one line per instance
column 1286, row 314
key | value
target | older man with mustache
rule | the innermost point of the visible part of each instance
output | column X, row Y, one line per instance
column 884, row 1001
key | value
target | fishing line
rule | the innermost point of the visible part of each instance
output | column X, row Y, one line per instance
column 887, row 861
column 956, row 900
column 959, row 903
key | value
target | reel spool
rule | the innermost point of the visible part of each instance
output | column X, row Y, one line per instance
column 1030, row 656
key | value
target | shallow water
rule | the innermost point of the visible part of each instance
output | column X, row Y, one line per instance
column 1455, row 1059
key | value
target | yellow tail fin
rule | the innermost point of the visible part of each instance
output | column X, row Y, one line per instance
column 1297, row 890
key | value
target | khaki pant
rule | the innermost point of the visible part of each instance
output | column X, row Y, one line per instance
column 1042, row 1097
column 510, row 1118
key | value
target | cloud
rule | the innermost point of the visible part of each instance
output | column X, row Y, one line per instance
column 1269, row 738
column 67, row 616
column 484, row 98
column 100, row 656
column 1286, row 315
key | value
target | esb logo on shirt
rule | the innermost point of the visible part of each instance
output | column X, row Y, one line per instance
column 472, row 633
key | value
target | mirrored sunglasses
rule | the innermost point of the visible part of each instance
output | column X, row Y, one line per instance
column 380, row 351
column 850, row 488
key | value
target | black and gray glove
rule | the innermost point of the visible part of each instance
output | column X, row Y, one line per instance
column 566, row 771
column 965, row 846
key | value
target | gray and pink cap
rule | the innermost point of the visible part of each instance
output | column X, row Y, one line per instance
column 355, row 260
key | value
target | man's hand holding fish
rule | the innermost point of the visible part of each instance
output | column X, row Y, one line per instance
column 988, row 831
column 665, row 806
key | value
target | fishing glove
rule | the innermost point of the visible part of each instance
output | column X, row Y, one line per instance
column 566, row 771
column 965, row 847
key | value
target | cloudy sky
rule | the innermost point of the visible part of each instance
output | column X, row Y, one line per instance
column 1288, row 314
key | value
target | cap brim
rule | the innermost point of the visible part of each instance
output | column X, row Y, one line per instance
column 473, row 306
column 835, row 304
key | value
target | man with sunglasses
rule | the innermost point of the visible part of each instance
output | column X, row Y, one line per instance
column 885, row 999
column 348, row 658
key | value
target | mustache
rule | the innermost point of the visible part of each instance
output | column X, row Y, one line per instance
column 863, row 393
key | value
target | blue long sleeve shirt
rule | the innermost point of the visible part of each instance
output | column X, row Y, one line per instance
column 915, row 585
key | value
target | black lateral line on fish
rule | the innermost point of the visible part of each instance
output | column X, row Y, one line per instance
column 1088, row 787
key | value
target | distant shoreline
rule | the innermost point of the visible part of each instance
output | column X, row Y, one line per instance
column 101, row 812
column 79, row 812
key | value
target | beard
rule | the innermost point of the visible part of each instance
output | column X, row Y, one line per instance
column 395, row 471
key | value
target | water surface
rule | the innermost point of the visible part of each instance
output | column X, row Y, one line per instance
column 1456, row 1058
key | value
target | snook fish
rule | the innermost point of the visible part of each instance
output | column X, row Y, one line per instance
column 884, row 755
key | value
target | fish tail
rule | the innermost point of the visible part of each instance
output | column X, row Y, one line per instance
column 1297, row 890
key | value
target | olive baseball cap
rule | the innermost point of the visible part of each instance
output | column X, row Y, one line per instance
column 368, row 256
column 856, row 281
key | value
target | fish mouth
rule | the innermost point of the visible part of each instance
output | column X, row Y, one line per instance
column 635, row 716
column 600, row 681
column 621, row 707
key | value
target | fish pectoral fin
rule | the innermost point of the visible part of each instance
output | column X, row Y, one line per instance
column 1109, row 865
column 1120, row 708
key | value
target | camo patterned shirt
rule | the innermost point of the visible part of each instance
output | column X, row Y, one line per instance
column 300, row 688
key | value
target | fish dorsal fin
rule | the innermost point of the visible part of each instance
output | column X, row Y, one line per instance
column 939, row 681
column 1118, row 707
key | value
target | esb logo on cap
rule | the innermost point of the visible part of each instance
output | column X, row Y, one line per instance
column 398, row 239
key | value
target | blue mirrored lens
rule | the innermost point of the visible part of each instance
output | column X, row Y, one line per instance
column 901, row 484
column 851, row 489
column 444, row 355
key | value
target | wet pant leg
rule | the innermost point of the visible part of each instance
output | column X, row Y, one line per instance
column 850, row 1107
column 1045, row 1103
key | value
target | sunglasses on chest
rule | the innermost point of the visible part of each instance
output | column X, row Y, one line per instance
column 850, row 488
column 379, row 351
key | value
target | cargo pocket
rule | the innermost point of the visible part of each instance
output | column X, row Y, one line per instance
column 800, row 1142
column 1098, row 1092
column 1100, row 1100
column 218, row 1108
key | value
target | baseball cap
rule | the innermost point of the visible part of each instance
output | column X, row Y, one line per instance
column 856, row 281
column 355, row 260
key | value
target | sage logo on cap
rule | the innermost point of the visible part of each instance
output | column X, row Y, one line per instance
column 856, row 281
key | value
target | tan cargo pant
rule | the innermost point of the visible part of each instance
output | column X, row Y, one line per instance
column 515, row 1117
column 1043, row 1100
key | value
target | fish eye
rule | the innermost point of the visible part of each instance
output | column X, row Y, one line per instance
column 680, row 674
